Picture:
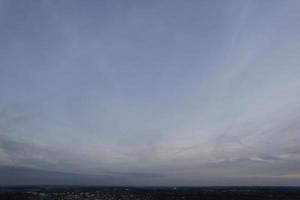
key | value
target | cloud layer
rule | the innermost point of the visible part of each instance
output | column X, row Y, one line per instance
column 197, row 92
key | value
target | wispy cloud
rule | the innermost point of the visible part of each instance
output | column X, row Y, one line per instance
column 187, row 91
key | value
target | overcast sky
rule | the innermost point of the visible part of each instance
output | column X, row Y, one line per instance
column 192, row 92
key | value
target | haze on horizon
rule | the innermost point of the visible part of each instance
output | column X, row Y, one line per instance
column 158, row 92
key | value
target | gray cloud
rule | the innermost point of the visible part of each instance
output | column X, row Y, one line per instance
column 169, row 91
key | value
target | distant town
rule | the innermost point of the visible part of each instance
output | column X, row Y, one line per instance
column 149, row 193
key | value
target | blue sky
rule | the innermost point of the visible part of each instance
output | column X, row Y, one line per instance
column 196, row 92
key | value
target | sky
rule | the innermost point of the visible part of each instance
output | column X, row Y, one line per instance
column 161, row 92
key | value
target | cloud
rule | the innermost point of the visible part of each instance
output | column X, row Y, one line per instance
column 186, row 91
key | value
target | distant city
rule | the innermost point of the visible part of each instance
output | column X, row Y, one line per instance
column 150, row 193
